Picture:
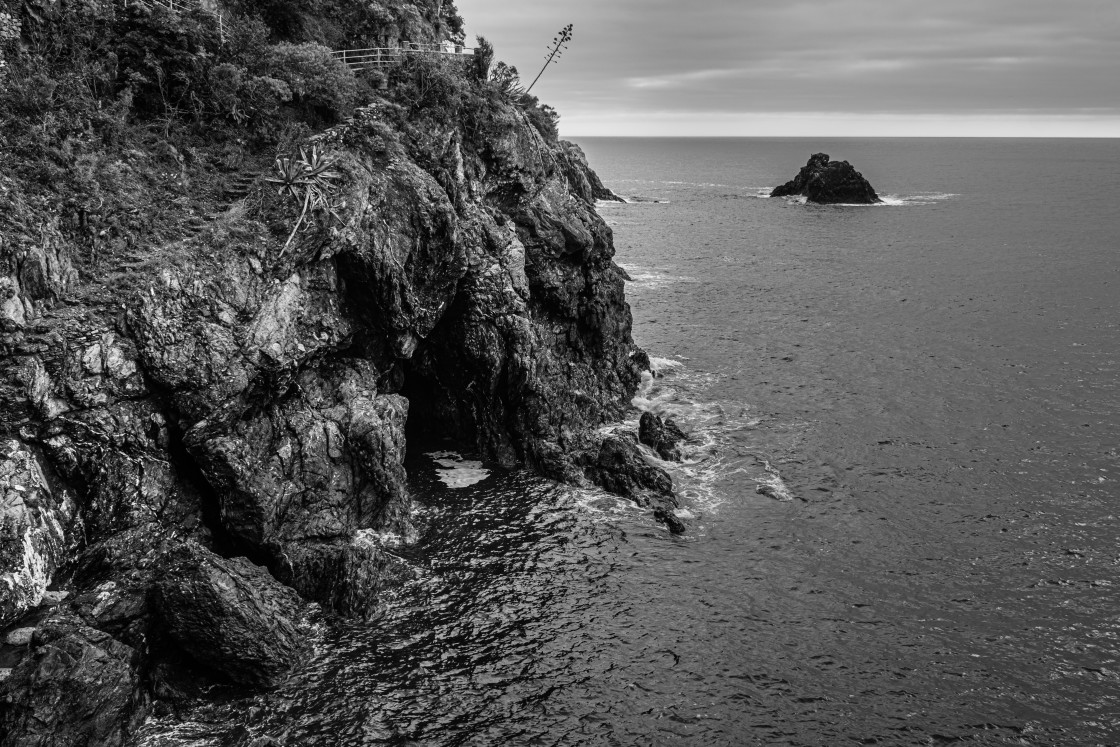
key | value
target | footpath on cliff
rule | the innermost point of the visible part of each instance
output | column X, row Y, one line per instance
column 237, row 282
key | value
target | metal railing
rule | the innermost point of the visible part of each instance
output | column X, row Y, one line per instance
column 182, row 6
column 379, row 57
column 175, row 6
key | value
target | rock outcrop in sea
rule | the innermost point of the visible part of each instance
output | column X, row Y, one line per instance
column 828, row 182
column 200, row 454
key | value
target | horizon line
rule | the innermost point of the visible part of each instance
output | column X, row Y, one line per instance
column 847, row 137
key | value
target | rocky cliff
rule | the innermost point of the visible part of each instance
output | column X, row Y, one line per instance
column 212, row 436
column 829, row 182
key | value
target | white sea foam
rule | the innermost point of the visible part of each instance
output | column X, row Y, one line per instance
column 712, row 454
column 660, row 365
column 773, row 485
column 921, row 198
column 456, row 471
column 603, row 507
column 651, row 278
column 370, row 537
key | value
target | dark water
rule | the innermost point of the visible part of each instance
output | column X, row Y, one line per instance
column 933, row 386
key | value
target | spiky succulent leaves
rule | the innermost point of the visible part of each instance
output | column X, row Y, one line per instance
column 310, row 179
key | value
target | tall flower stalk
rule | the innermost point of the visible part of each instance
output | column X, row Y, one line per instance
column 555, row 51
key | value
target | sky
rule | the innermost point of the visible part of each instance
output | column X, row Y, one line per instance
column 999, row 68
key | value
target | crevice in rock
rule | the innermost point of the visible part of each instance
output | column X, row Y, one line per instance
column 209, row 503
column 435, row 418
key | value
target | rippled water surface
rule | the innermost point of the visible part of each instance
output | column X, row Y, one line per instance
column 929, row 390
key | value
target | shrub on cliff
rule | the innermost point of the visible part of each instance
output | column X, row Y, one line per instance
column 429, row 86
column 505, row 80
column 321, row 86
column 164, row 58
column 544, row 119
column 483, row 58
column 246, row 98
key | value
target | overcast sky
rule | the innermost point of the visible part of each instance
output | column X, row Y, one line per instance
column 818, row 67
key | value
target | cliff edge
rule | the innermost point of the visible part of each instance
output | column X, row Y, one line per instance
column 204, row 418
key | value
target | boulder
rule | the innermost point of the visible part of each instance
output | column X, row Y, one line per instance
column 829, row 182
column 232, row 617
column 663, row 436
column 77, row 688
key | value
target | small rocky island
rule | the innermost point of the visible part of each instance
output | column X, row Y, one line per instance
column 829, row 182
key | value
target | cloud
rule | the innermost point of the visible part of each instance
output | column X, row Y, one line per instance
column 678, row 80
column 736, row 57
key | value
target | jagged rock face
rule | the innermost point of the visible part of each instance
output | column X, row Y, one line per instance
column 249, row 401
column 581, row 178
column 77, row 687
column 619, row 467
column 829, row 182
column 663, row 436
column 536, row 347
column 35, row 265
column 35, row 530
column 231, row 616
column 321, row 463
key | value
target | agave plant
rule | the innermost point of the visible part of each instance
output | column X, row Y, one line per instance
column 311, row 179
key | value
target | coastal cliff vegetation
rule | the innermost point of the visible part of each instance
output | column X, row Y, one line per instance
column 239, row 282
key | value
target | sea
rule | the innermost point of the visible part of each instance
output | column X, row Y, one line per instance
column 902, row 481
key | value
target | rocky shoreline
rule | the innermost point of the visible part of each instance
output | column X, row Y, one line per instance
column 198, row 454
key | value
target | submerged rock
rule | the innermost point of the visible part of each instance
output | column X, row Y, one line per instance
column 829, row 182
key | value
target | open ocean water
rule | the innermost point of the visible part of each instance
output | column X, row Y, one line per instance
column 929, row 389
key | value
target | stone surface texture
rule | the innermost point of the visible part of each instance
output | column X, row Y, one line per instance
column 35, row 530
column 663, row 436
column 232, row 616
column 79, row 686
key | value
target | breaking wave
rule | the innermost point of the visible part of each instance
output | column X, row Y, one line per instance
column 921, row 198
column 720, row 453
